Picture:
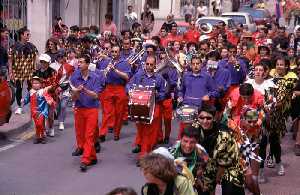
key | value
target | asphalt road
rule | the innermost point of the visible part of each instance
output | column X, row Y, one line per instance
column 28, row 169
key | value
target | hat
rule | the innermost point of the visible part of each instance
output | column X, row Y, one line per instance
column 45, row 57
column 249, row 113
column 164, row 152
column 35, row 77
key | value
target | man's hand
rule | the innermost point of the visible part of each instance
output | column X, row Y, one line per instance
column 180, row 99
column 205, row 98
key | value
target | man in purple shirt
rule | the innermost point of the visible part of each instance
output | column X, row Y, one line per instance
column 147, row 134
column 114, row 98
column 236, row 66
column 196, row 86
column 86, row 86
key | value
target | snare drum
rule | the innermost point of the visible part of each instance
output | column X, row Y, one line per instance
column 141, row 104
column 187, row 113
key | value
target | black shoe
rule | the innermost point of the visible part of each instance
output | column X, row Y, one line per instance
column 110, row 130
column 97, row 147
column 125, row 122
column 166, row 140
column 37, row 141
column 117, row 138
column 83, row 167
column 102, row 138
column 77, row 152
column 137, row 149
column 93, row 162
column 43, row 140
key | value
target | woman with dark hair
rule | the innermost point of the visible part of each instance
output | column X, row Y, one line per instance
column 284, row 81
column 52, row 48
column 162, row 177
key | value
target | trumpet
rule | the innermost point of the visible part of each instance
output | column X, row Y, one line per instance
column 173, row 62
column 109, row 68
column 135, row 56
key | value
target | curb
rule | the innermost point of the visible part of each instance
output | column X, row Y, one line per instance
column 6, row 133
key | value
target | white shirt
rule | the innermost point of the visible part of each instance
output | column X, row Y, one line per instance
column 261, row 87
column 202, row 10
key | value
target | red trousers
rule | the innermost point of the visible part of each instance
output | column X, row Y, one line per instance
column 166, row 118
column 147, row 134
column 113, row 101
column 85, row 127
column 39, row 123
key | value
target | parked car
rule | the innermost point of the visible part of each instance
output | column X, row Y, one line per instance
column 215, row 20
column 242, row 18
column 260, row 16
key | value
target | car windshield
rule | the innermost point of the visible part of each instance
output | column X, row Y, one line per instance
column 257, row 14
column 237, row 19
column 210, row 21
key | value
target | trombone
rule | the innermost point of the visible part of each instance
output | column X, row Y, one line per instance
column 174, row 63
column 135, row 56
column 108, row 68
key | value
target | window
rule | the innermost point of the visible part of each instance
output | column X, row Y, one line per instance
column 154, row 4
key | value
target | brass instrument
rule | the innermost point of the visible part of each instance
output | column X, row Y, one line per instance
column 205, row 28
column 108, row 68
column 174, row 63
column 135, row 56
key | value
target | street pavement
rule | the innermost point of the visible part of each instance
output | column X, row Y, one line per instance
column 28, row 169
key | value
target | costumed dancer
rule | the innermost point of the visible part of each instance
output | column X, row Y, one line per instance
column 22, row 64
column 40, row 100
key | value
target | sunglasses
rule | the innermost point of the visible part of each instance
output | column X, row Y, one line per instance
column 114, row 51
column 106, row 48
column 206, row 117
column 252, row 121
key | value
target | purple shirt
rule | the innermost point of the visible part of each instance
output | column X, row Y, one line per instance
column 140, row 78
column 93, row 83
column 237, row 77
column 113, row 78
column 170, row 74
column 222, row 79
column 194, row 87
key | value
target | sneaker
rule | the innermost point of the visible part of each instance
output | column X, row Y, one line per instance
column 51, row 132
column 19, row 110
column 261, row 176
column 280, row 169
column 270, row 162
column 61, row 126
column 297, row 150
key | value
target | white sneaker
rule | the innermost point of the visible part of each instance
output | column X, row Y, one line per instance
column 61, row 126
column 19, row 110
column 261, row 176
column 280, row 169
column 51, row 132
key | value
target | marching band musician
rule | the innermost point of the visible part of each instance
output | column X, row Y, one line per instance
column 126, row 51
column 197, row 86
column 147, row 134
column 117, row 73
column 170, row 74
column 237, row 67
column 86, row 86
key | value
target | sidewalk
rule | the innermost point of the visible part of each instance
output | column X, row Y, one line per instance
column 16, row 125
